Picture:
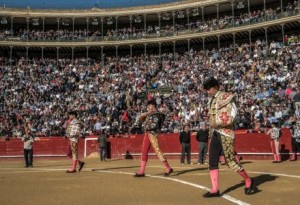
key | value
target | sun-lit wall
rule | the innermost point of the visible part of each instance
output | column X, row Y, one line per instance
column 248, row 145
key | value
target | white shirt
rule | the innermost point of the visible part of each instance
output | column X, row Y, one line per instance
column 274, row 133
column 97, row 126
column 234, row 110
column 278, row 114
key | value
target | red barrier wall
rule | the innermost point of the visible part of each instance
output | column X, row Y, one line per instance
column 43, row 146
column 249, row 145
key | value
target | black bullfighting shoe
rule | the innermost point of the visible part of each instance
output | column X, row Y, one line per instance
column 139, row 175
column 81, row 164
column 210, row 195
column 251, row 189
column 71, row 171
column 169, row 172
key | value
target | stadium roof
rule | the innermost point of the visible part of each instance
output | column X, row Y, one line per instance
column 80, row 4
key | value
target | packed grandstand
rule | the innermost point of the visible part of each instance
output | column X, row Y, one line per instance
column 107, row 66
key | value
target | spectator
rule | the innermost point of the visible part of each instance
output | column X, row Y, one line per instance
column 98, row 127
column 278, row 115
column 47, row 90
column 202, row 139
column 295, row 141
column 185, row 142
column 102, row 141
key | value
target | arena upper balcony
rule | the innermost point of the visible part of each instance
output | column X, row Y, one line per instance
column 88, row 4
column 183, row 23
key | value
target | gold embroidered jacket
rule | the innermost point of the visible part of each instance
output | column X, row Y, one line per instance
column 74, row 129
column 222, row 112
column 152, row 122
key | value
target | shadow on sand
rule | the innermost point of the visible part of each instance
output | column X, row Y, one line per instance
column 258, row 180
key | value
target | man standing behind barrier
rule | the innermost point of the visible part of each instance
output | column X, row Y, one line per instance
column 73, row 132
column 295, row 131
column 102, row 140
column 222, row 112
column 202, row 139
column 185, row 141
column 152, row 123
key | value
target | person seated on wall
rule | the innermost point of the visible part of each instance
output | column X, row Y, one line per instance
column 257, row 128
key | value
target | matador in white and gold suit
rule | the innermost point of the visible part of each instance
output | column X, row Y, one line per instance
column 222, row 112
column 73, row 132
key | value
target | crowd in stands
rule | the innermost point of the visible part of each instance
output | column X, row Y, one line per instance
column 264, row 77
column 209, row 24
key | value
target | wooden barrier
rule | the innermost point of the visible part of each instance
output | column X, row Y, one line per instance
column 249, row 145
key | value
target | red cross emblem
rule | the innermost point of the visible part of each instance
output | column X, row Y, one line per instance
column 224, row 117
column 225, row 96
column 226, row 131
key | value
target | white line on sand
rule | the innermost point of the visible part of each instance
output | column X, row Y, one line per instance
column 225, row 196
column 276, row 174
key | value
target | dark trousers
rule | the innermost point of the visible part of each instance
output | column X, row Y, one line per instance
column 215, row 151
column 186, row 149
column 28, row 156
column 202, row 152
column 102, row 153
column 222, row 145
column 295, row 146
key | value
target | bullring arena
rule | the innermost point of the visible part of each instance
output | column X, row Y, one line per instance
column 106, row 59
column 112, row 182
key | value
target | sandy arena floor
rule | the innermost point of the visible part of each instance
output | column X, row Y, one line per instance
column 112, row 182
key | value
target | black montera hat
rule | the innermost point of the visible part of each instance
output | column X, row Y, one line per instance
column 210, row 82
column 152, row 102
column 73, row 113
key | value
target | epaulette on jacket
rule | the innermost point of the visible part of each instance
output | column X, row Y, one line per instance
column 224, row 98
